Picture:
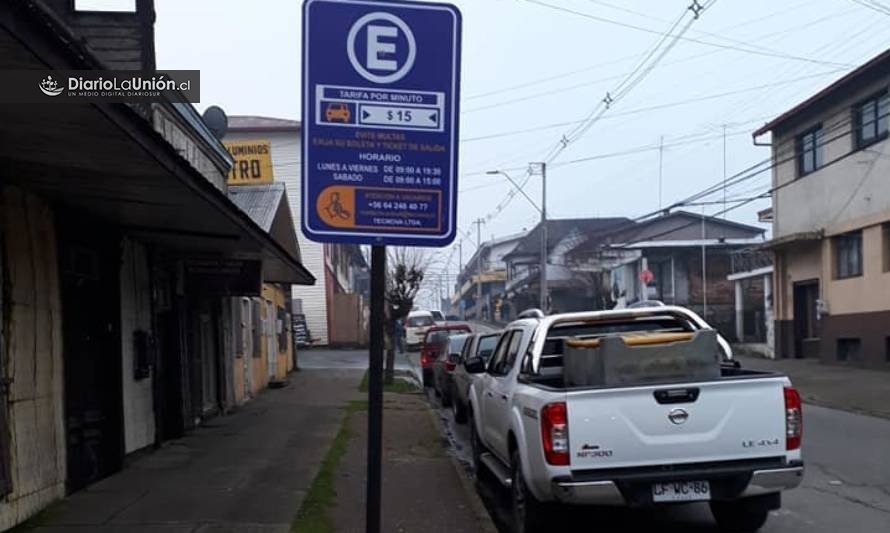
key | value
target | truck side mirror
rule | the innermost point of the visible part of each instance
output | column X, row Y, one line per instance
column 475, row 365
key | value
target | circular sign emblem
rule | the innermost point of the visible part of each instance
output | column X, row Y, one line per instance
column 381, row 47
column 678, row 416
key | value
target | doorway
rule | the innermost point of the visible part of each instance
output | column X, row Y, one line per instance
column 806, row 321
column 89, row 257
column 207, row 339
column 271, row 341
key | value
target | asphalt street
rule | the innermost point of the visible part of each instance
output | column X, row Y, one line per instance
column 846, row 486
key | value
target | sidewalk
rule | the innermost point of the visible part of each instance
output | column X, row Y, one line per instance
column 835, row 386
column 423, row 489
column 246, row 472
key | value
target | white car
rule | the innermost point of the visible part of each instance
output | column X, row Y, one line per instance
column 416, row 325
column 632, row 407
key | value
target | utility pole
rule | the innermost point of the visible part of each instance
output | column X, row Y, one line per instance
column 479, row 222
column 543, row 282
column 543, row 210
column 704, row 267
column 457, row 284
column 660, row 166
column 724, row 171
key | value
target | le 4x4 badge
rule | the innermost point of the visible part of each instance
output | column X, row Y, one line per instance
column 760, row 443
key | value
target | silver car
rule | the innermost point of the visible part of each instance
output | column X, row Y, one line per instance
column 480, row 345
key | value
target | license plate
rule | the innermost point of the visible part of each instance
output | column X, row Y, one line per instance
column 681, row 491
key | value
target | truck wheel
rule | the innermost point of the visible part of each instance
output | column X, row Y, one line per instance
column 529, row 515
column 740, row 516
column 460, row 414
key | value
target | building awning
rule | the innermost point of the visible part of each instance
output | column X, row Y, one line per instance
column 757, row 272
column 267, row 205
column 107, row 161
column 792, row 239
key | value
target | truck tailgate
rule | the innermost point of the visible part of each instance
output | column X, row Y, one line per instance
column 662, row 424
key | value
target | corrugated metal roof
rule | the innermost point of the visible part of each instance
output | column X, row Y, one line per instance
column 257, row 123
column 260, row 202
column 558, row 228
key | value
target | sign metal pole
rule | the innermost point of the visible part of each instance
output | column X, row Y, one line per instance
column 375, row 388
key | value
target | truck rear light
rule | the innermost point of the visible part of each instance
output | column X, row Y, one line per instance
column 555, row 433
column 793, row 419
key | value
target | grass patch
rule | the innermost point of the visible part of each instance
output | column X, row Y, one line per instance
column 398, row 385
column 313, row 516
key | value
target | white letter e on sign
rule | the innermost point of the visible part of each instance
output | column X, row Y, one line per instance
column 377, row 48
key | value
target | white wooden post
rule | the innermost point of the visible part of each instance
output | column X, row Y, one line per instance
column 739, row 312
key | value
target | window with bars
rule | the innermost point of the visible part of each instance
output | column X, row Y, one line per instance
column 871, row 119
column 809, row 151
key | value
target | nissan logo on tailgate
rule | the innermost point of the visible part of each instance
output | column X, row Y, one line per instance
column 678, row 416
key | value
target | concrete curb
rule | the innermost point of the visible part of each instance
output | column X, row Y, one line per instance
column 818, row 402
column 486, row 524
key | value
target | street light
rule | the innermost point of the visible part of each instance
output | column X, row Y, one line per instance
column 543, row 211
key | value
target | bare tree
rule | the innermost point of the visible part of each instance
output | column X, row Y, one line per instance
column 406, row 268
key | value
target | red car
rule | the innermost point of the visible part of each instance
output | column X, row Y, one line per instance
column 436, row 339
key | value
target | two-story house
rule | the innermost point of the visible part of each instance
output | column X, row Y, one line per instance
column 333, row 308
column 679, row 258
column 831, row 229
column 486, row 268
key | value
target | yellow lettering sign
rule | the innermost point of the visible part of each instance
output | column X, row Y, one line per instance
column 253, row 162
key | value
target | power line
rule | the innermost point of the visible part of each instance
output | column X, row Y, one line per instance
column 780, row 157
column 689, row 39
column 874, row 6
column 666, row 105
column 538, row 81
column 700, row 32
column 667, row 40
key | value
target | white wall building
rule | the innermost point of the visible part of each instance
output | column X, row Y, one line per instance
column 284, row 136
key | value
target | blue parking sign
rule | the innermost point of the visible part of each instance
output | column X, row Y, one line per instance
column 381, row 88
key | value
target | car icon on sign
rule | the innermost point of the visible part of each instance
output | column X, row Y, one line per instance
column 337, row 112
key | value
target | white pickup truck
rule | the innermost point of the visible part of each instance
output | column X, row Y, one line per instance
column 628, row 426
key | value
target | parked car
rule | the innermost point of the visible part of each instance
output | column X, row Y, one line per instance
column 480, row 345
column 444, row 365
column 632, row 407
column 416, row 326
column 434, row 341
